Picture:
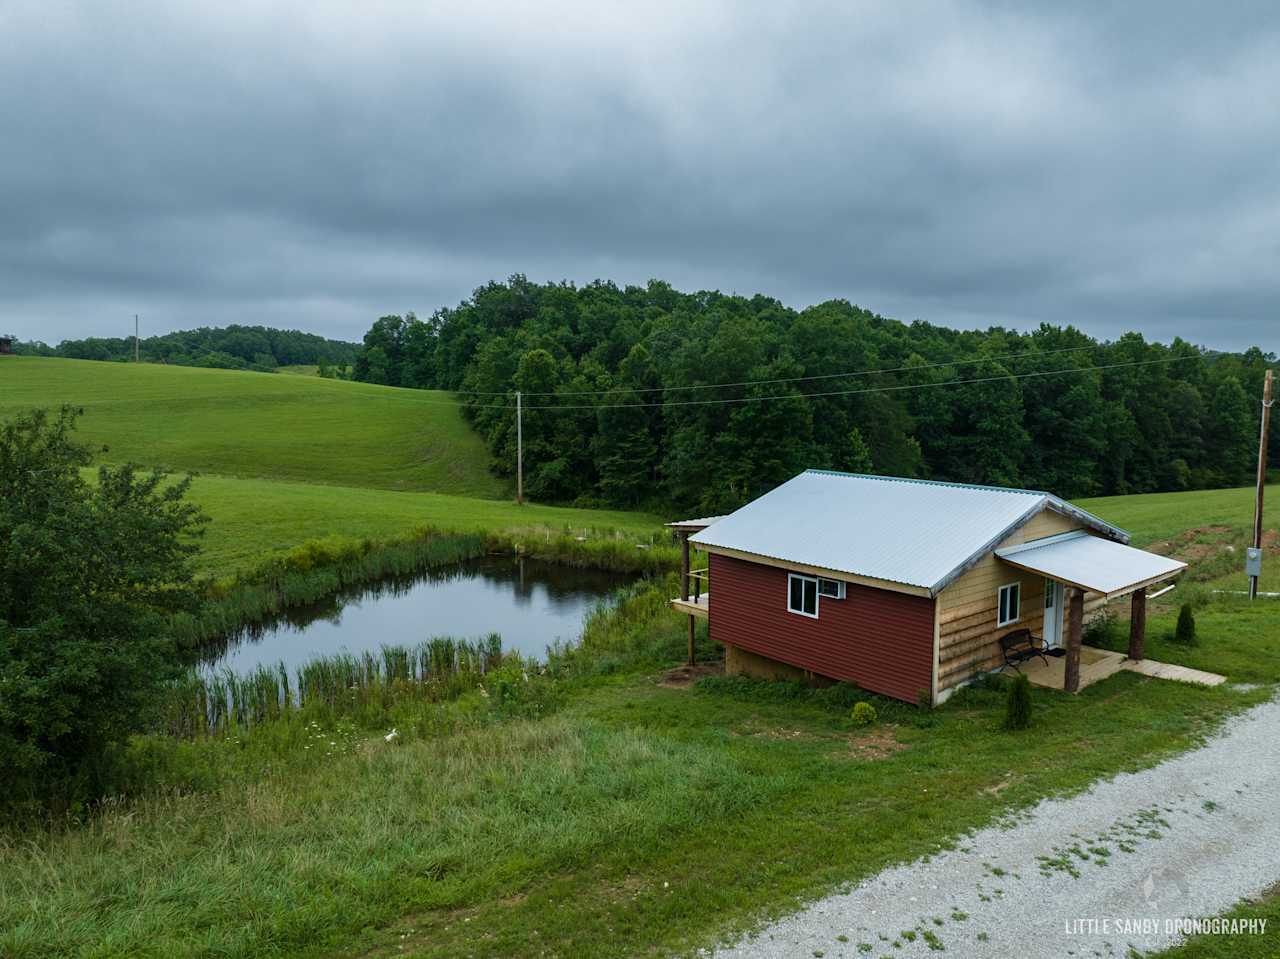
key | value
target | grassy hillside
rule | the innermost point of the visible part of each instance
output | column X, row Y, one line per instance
column 1159, row 516
column 261, row 425
column 252, row 518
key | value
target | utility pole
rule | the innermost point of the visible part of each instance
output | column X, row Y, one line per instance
column 519, row 451
column 135, row 337
column 1262, row 482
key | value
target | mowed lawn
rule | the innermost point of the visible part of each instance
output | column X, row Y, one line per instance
column 1159, row 516
column 261, row 425
column 254, row 518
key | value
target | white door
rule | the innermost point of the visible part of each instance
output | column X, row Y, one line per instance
column 1052, row 613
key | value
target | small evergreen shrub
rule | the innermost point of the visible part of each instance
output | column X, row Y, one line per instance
column 1017, row 706
column 1185, row 632
column 863, row 714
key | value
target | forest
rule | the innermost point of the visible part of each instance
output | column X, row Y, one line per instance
column 228, row 347
column 647, row 396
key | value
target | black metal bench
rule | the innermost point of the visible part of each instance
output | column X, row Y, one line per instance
column 1019, row 646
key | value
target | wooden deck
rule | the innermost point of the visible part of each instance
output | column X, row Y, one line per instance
column 700, row 607
column 1183, row 674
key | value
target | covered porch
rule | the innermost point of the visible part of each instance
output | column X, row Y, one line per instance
column 1077, row 563
column 1095, row 666
column 695, row 594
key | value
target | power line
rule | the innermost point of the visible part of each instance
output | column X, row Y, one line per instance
column 870, row 389
column 789, row 379
column 791, row 396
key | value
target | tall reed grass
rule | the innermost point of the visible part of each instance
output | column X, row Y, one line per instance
column 314, row 570
column 221, row 702
column 611, row 550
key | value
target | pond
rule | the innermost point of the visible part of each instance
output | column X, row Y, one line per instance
column 530, row 603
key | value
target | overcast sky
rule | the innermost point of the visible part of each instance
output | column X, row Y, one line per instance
column 317, row 164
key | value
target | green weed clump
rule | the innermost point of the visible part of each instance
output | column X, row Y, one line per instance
column 863, row 714
column 1017, row 710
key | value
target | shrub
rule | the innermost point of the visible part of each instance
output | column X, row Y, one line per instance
column 1185, row 632
column 863, row 714
column 91, row 574
column 1017, row 704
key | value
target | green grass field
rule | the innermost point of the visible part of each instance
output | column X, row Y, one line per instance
column 635, row 819
column 1160, row 516
column 291, row 458
column 255, row 518
column 261, row 425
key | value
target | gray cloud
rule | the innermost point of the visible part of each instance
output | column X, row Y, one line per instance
column 318, row 164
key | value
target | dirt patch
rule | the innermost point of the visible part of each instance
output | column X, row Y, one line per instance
column 777, row 732
column 682, row 677
column 1271, row 539
column 874, row 744
column 1195, row 552
column 1184, row 546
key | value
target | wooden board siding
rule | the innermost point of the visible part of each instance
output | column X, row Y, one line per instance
column 880, row 640
column 967, row 635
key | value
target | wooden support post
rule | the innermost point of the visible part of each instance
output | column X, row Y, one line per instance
column 1075, row 633
column 684, row 564
column 1138, row 625
column 684, row 583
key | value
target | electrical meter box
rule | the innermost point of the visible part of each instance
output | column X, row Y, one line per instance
column 1253, row 561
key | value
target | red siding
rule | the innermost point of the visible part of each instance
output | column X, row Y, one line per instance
column 876, row 638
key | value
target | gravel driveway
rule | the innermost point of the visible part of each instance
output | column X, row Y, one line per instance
column 1093, row 875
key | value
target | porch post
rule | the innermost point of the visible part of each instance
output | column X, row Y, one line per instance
column 684, row 564
column 1138, row 624
column 684, row 583
column 1075, row 632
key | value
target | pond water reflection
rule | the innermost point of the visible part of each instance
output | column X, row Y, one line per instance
column 531, row 603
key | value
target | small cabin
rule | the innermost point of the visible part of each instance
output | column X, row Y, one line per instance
column 6, row 345
column 908, row 588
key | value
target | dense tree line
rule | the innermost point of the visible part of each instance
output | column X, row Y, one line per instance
column 228, row 347
column 615, row 412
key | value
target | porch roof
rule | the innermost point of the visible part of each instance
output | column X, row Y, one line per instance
column 1092, row 563
column 693, row 525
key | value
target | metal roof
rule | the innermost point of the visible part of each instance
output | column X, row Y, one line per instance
column 1090, row 563
column 693, row 525
column 916, row 532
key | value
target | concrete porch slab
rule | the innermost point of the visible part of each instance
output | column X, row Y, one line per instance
column 1095, row 666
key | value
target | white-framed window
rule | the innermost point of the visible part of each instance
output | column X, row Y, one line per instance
column 802, row 595
column 1048, row 593
column 1010, row 604
column 831, row 588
